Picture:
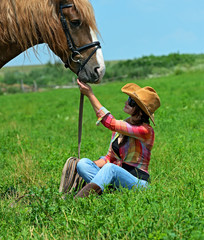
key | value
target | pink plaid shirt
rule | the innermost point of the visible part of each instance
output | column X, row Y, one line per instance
column 137, row 150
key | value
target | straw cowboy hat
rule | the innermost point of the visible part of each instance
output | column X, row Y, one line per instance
column 146, row 98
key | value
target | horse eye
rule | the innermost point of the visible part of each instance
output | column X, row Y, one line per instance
column 75, row 23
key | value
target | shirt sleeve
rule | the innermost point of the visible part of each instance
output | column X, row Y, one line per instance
column 142, row 132
column 102, row 112
column 105, row 158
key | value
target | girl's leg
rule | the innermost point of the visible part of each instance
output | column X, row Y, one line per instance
column 87, row 169
column 117, row 176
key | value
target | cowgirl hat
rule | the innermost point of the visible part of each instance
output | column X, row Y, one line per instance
column 146, row 98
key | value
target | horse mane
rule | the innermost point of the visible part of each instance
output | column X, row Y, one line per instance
column 23, row 21
column 86, row 11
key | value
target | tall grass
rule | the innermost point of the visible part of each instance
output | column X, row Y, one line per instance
column 38, row 132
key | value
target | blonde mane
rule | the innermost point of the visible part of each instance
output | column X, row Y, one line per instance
column 86, row 11
column 23, row 21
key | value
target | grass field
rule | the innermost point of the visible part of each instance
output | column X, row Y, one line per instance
column 38, row 132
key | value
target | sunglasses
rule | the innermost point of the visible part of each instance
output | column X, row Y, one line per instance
column 131, row 102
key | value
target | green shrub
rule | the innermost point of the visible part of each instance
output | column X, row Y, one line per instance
column 13, row 77
column 55, row 74
column 13, row 90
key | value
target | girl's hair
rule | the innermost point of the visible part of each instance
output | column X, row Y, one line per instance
column 138, row 118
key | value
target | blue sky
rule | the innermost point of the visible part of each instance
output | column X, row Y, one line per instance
column 135, row 28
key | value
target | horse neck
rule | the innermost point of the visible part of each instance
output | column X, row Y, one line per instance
column 8, row 52
column 14, row 41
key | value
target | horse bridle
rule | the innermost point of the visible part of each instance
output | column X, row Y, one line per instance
column 70, row 42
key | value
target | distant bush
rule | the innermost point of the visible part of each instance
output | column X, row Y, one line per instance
column 13, row 90
column 145, row 66
column 55, row 74
column 49, row 75
column 13, row 77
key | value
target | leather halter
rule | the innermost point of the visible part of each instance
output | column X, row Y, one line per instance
column 70, row 42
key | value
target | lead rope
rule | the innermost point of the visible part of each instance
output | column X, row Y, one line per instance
column 80, row 122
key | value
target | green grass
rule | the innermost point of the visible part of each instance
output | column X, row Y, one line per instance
column 38, row 132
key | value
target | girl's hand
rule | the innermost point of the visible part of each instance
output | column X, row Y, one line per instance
column 84, row 88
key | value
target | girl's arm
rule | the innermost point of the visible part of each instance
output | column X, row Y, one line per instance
column 141, row 132
column 87, row 91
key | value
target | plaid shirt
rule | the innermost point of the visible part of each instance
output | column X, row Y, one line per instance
column 137, row 150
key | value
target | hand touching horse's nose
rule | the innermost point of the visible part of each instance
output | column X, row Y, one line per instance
column 84, row 88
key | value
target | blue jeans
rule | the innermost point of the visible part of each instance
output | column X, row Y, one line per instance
column 108, row 174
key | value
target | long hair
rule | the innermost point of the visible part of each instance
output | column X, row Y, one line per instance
column 138, row 118
column 30, row 22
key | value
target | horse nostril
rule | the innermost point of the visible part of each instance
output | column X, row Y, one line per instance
column 96, row 70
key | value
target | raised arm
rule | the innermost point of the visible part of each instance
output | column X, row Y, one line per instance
column 142, row 132
column 87, row 91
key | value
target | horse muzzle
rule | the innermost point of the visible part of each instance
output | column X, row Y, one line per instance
column 91, row 74
column 88, row 71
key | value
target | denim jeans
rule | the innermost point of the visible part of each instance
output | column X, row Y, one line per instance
column 108, row 174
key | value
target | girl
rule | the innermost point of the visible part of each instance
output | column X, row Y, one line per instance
column 126, row 163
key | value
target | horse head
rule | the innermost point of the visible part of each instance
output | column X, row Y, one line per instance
column 67, row 26
column 78, row 32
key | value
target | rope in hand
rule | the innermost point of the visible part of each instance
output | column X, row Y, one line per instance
column 80, row 122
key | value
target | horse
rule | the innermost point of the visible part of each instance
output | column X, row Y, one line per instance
column 68, row 27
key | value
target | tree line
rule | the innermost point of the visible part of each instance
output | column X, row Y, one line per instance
column 52, row 75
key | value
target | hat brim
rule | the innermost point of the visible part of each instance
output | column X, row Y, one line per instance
column 140, row 104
